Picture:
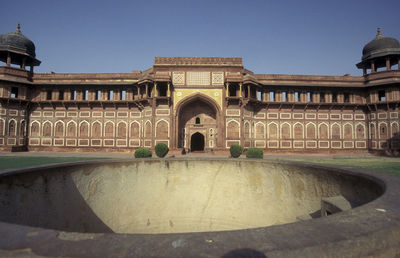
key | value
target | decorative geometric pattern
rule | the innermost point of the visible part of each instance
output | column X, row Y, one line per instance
column 217, row 78
column 198, row 78
column 178, row 78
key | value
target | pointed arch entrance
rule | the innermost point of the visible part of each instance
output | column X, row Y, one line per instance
column 197, row 142
column 197, row 117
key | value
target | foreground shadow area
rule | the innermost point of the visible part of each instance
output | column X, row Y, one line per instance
column 47, row 198
column 244, row 253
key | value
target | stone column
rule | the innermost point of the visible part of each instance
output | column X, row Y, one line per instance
column 388, row 64
column 373, row 70
column 147, row 90
column 364, row 71
column 240, row 89
column 8, row 60
column 169, row 90
column 155, row 90
column 248, row 91
column 398, row 63
column 138, row 92
column 23, row 63
column 227, row 89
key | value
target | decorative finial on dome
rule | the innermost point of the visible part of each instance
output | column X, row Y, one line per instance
column 19, row 28
column 379, row 34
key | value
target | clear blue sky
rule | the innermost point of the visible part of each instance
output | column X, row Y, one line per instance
column 284, row 37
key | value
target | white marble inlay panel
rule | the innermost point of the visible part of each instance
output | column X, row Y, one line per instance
column 198, row 78
column 178, row 78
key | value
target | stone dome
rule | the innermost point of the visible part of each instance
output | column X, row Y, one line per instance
column 381, row 46
column 19, row 47
column 17, row 43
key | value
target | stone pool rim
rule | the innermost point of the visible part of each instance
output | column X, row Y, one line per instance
column 370, row 229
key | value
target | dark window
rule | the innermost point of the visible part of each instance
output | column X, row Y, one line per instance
column 232, row 91
column 253, row 93
column 14, row 92
column 346, row 97
column 61, row 95
column 73, row 94
column 334, row 97
column 98, row 95
column 322, row 97
column 197, row 120
column 48, row 95
column 86, row 95
column 163, row 91
column 382, row 95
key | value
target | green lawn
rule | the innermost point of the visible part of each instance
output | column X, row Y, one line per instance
column 377, row 164
column 9, row 162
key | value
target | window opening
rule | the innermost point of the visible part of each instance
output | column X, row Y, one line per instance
column 271, row 96
column 73, row 94
column 334, row 97
column 86, row 95
column 284, row 96
column 346, row 97
column 98, row 94
column 14, row 92
column 48, row 95
column 61, row 95
column 382, row 95
column 296, row 96
column 322, row 97
column 122, row 95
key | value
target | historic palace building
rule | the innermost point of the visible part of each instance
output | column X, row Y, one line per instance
column 199, row 103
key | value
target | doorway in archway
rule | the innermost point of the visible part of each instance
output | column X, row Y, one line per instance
column 197, row 142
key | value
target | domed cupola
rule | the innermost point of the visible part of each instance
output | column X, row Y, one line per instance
column 380, row 52
column 17, row 49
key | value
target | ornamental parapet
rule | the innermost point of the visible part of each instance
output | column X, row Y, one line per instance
column 86, row 78
column 310, row 80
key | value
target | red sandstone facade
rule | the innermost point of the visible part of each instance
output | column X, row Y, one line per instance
column 199, row 104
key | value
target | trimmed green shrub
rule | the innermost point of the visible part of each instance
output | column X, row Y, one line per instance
column 236, row 150
column 161, row 150
column 254, row 153
column 143, row 153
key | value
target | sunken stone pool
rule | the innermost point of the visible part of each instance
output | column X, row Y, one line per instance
column 149, row 199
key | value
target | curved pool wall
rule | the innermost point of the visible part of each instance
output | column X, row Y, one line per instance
column 44, row 211
column 173, row 196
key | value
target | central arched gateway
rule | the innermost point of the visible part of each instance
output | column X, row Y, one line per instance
column 197, row 142
column 197, row 123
